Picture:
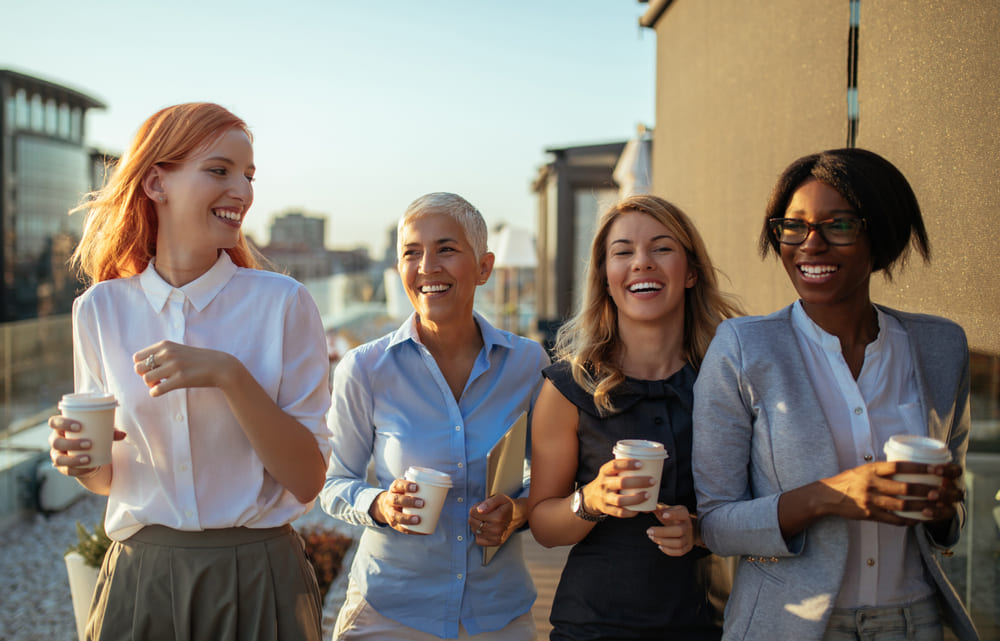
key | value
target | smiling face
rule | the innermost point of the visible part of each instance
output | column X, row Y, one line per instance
column 825, row 274
column 205, row 198
column 439, row 269
column 647, row 269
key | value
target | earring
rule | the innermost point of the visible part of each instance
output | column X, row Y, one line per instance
column 162, row 199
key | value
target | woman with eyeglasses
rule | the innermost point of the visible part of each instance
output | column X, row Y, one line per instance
column 792, row 411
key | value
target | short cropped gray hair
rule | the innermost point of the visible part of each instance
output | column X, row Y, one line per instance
column 453, row 205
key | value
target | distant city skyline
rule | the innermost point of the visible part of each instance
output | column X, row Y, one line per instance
column 357, row 109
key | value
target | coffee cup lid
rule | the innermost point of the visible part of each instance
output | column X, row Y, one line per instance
column 427, row 475
column 638, row 448
column 923, row 449
column 88, row 401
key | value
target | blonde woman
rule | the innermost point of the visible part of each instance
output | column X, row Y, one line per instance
column 625, row 368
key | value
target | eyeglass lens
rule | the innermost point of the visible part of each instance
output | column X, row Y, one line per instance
column 792, row 231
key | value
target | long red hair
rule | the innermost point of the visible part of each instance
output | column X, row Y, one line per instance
column 119, row 236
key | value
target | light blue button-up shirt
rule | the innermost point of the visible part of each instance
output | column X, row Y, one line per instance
column 391, row 404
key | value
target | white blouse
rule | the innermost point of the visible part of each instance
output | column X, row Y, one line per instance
column 883, row 562
column 186, row 462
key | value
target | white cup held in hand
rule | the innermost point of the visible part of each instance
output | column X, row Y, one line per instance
column 96, row 414
column 651, row 454
column 432, row 487
column 919, row 449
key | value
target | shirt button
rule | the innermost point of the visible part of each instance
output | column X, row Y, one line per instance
column 183, row 467
column 458, row 428
column 869, row 457
column 458, row 576
column 858, row 410
column 187, row 513
column 658, row 420
column 871, row 563
column 459, row 537
column 179, row 418
column 461, row 499
column 461, row 465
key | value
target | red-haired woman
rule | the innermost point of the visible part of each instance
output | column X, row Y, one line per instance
column 220, row 373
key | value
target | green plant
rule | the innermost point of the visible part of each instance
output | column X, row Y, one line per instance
column 325, row 550
column 91, row 546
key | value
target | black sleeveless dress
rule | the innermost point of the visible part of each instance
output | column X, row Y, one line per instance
column 616, row 583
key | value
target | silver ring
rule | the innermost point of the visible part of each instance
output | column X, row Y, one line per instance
column 150, row 363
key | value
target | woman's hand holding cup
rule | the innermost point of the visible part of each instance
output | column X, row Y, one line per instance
column 420, row 487
column 69, row 455
column 604, row 494
column 388, row 506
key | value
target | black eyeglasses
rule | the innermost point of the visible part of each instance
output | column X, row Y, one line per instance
column 839, row 231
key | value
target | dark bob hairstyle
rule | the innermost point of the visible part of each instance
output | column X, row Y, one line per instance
column 876, row 190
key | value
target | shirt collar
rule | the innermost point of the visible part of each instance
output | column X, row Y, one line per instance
column 200, row 291
column 817, row 335
column 491, row 335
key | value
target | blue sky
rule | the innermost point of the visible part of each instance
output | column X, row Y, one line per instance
column 358, row 107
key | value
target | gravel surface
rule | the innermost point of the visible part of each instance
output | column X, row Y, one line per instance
column 36, row 604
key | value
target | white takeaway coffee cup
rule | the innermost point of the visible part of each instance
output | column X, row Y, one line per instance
column 651, row 454
column 95, row 412
column 919, row 449
column 432, row 487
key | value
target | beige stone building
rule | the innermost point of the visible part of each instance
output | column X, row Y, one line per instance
column 743, row 88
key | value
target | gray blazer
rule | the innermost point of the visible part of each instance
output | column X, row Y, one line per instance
column 759, row 430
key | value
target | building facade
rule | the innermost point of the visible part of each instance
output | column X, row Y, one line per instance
column 744, row 88
column 45, row 170
column 298, row 247
column 573, row 189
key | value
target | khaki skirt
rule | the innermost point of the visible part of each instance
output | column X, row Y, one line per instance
column 217, row 585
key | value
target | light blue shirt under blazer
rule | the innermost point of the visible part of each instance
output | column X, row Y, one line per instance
column 391, row 404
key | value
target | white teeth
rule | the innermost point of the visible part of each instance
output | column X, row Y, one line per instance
column 645, row 286
column 433, row 289
column 231, row 215
column 817, row 270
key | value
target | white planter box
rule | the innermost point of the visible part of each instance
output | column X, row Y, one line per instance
column 82, row 581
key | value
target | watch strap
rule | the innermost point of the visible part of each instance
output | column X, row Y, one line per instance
column 581, row 511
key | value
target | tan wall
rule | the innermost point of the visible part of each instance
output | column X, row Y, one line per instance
column 745, row 88
column 929, row 88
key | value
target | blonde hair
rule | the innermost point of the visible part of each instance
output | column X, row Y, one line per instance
column 590, row 342
column 119, row 236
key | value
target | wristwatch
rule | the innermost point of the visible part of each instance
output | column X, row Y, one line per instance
column 581, row 512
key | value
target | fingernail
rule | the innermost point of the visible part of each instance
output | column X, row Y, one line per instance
column 412, row 487
column 84, row 443
column 75, row 427
column 638, row 464
column 645, row 495
column 84, row 460
column 418, row 503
